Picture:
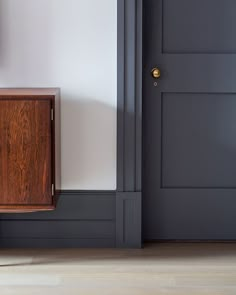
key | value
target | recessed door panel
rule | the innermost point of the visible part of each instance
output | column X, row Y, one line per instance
column 203, row 26
column 198, row 140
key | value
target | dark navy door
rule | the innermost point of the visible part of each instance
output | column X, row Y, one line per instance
column 189, row 127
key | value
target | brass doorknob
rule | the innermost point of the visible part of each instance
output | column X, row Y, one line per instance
column 156, row 73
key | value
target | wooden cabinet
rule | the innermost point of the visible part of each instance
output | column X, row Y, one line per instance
column 29, row 149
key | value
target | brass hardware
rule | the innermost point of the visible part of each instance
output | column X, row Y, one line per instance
column 156, row 73
column 52, row 114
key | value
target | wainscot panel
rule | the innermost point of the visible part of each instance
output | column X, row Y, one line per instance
column 82, row 219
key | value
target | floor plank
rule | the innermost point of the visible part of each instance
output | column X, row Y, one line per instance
column 168, row 269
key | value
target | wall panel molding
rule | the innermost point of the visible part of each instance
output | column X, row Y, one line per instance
column 82, row 219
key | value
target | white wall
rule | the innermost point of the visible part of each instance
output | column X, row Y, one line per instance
column 69, row 44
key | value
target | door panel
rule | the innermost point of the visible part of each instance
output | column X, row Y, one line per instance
column 187, row 214
column 189, row 123
column 198, row 140
column 25, row 152
column 203, row 26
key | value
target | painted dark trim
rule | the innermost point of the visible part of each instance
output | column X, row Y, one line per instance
column 129, row 132
column 82, row 219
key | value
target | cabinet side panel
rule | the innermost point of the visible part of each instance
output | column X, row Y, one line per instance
column 58, row 142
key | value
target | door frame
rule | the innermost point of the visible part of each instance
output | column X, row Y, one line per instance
column 129, row 123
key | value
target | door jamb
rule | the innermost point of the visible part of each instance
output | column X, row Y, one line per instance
column 129, row 124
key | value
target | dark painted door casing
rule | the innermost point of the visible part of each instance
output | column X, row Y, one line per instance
column 189, row 179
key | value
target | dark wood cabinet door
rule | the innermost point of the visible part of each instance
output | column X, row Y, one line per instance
column 25, row 152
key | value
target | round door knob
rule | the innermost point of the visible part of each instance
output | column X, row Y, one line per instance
column 156, row 73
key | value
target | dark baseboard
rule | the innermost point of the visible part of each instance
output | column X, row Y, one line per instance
column 48, row 243
column 82, row 219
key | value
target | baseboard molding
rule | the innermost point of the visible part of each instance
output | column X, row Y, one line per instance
column 56, row 243
column 128, row 220
column 82, row 219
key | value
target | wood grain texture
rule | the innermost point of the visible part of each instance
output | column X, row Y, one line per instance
column 161, row 269
column 25, row 152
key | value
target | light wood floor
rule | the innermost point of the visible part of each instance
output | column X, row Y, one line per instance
column 169, row 269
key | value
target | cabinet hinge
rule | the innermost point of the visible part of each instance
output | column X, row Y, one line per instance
column 52, row 114
column 52, row 189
